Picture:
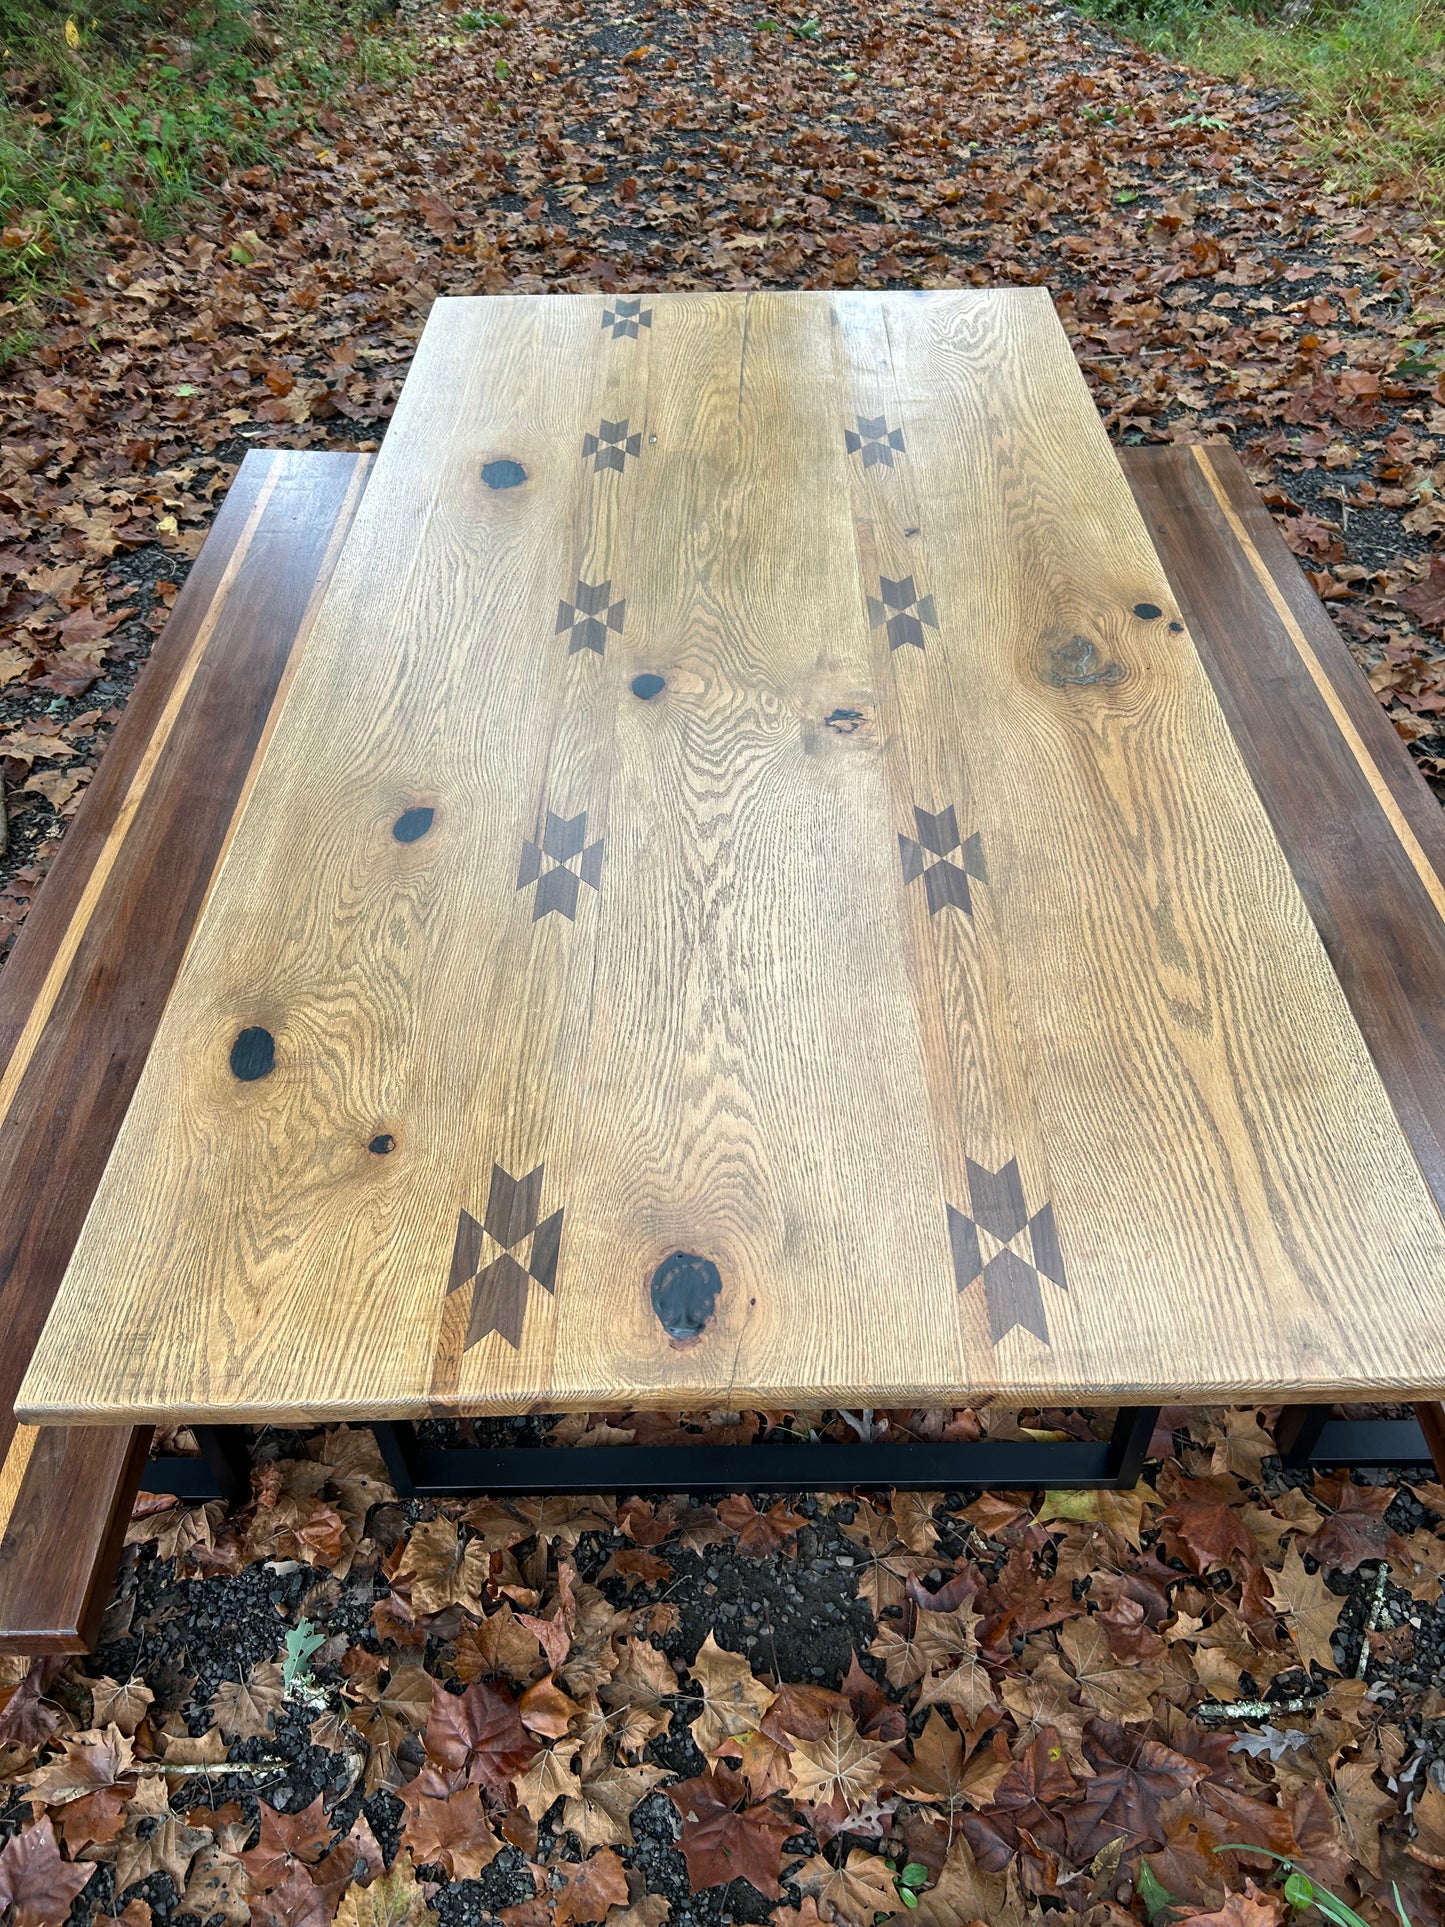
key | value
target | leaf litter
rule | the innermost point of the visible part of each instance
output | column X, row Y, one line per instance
column 329, row 1706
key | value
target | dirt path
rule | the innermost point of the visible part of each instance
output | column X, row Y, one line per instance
column 1027, row 1728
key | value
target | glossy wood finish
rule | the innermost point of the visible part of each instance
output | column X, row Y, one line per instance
column 907, row 1001
column 83, row 992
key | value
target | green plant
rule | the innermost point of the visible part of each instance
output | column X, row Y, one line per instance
column 134, row 108
column 301, row 1642
column 1303, row 1893
column 1368, row 73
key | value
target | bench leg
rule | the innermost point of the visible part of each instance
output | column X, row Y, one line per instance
column 422, row 1471
column 1308, row 1436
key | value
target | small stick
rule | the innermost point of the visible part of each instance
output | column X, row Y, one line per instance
column 1372, row 1618
column 1256, row 1709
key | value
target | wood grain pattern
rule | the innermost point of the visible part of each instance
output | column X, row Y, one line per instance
column 1108, row 1132
column 83, row 992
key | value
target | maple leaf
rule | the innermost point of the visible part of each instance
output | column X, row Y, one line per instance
column 90, row 1761
column 112, row 1704
column 724, row 1839
column 591, row 1889
column 546, row 1710
column 964, row 1893
column 1310, row 1609
column 1426, row 599
column 449, row 1828
column 1132, row 1778
column 394, row 1899
column 34, row 1881
column 1210, row 1533
column 1120, row 1690
column 28, row 1718
column 600, row 1812
column 218, row 1885
column 479, row 1732
column 443, row 1569
column 1249, row 1909
column 936, row 1769
column 760, row 1533
column 1355, row 1529
column 504, row 1644
column 733, row 1701
column 841, row 1766
column 169, row 1848
column 1428, row 1815
column 286, row 1837
column 248, row 1712
column 548, row 1779
column 855, row 1893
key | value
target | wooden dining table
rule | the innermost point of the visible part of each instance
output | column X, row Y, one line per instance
column 750, row 899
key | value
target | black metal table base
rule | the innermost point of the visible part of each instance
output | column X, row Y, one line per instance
column 1306, row 1434
column 423, row 1471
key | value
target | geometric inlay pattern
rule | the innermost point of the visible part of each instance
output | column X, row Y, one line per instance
column 876, row 440
column 943, row 881
column 589, row 616
column 548, row 864
column 998, row 1241
column 907, row 614
column 626, row 316
column 484, row 1255
column 610, row 446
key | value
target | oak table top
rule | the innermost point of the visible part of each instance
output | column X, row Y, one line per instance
column 751, row 897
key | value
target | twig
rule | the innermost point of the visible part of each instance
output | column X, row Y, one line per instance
column 1256, row 1709
column 1372, row 1618
column 217, row 1769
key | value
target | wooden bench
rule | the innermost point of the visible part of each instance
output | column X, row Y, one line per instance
column 83, row 990
column 80, row 998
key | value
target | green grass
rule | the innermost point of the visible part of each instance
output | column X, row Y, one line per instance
column 133, row 109
column 1370, row 74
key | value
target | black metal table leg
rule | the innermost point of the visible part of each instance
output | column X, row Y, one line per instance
column 1307, row 1435
column 223, row 1471
column 422, row 1471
